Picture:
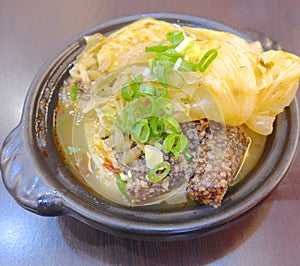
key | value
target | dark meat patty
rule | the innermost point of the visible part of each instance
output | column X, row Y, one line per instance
column 218, row 152
column 220, row 159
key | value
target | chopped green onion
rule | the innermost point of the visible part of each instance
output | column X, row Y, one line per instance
column 169, row 142
column 160, row 106
column 159, row 172
column 167, row 108
column 175, row 37
column 165, row 95
column 121, row 185
column 188, row 66
column 148, row 90
column 171, row 125
column 166, row 75
column 131, row 113
column 156, row 125
column 137, row 77
column 129, row 91
column 207, row 59
column 188, row 156
column 176, row 144
column 141, row 130
column 172, row 55
column 157, row 48
column 166, row 63
column 74, row 93
column 186, row 44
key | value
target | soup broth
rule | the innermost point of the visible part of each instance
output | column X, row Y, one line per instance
column 76, row 139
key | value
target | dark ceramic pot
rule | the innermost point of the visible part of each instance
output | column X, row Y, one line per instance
column 35, row 175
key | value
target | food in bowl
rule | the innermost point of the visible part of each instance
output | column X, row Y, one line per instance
column 157, row 113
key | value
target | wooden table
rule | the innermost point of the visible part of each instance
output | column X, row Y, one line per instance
column 30, row 31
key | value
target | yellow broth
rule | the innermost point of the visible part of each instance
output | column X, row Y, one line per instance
column 71, row 138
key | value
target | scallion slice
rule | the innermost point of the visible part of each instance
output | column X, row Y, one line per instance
column 172, row 55
column 156, row 126
column 207, row 59
column 130, row 91
column 175, row 37
column 148, row 90
column 160, row 106
column 159, row 172
column 141, row 130
column 121, row 185
column 188, row 66
column 171, row 125
column 176, row 144
column 186, row 44
column 74, row 93
column 157, row 48
column 188, row 156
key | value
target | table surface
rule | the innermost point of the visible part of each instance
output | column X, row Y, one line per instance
column 30, row 31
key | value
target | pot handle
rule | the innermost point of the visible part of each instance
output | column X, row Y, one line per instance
column 26, row 184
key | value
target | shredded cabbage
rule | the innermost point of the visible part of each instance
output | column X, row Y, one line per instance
column 280, row 80
column 249, row 86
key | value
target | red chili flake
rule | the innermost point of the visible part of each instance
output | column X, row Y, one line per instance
column 109, row 166
column 45, row 154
